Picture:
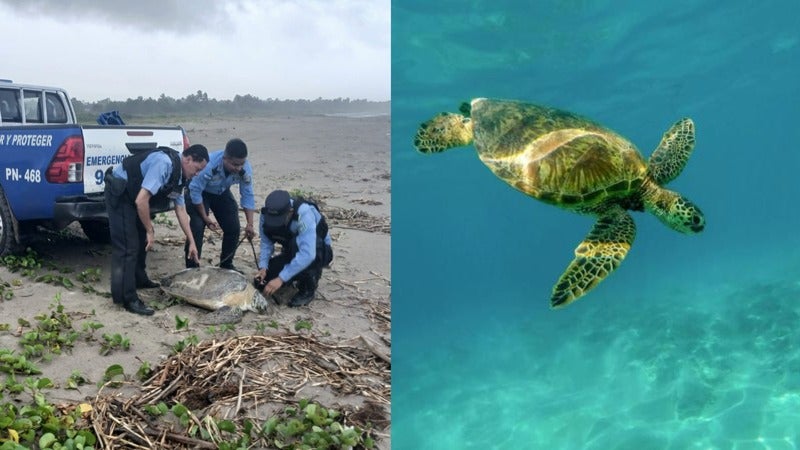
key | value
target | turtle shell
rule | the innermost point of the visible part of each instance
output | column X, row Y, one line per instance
column 555, row 156
column 211, row 288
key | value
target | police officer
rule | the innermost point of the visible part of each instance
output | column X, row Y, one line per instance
column 305, row 246
column 145, row 179
column 211, row 190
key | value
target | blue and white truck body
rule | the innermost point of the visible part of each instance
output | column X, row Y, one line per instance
column 51, row 168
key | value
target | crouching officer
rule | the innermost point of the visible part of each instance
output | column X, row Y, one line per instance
column 211, row 190
column 145, row 179
column 305, row 246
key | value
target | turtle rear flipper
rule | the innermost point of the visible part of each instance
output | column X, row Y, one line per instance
column 225, row 314
column 596, row 257
column 672, row 154
column 443, row 132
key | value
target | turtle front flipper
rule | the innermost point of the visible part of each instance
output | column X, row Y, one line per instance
column 596, row 257
column 672, row 154
column 443, row 132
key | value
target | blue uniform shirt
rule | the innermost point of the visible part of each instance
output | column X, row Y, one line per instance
column 305, row 230
column 156, row 170
column 213, row 180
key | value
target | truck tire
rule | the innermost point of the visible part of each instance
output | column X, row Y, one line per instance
column 8, row 237
column 97, row 231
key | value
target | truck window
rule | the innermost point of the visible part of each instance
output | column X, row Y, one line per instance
column 9, row 107
column 32, row 103
column 55, row 108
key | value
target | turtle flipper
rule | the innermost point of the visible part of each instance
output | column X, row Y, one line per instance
column 443, row 132
column 225, row 314
column 596, row 257
column 672, row 154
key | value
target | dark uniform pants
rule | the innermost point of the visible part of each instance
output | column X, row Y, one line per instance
column 226, row 213
column 307, row 278
column 128, row 239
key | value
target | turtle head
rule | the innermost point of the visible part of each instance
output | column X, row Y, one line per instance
column 676, row 211
column 443, row 132
column 260, row 303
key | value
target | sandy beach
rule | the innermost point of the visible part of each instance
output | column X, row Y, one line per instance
column 344, row 163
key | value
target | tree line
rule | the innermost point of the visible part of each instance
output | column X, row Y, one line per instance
column 199, row 104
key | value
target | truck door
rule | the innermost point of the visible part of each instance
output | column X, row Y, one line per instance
column 107, row 146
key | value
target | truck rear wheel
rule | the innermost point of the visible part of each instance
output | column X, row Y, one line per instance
column 97, row 231
column 8, row 239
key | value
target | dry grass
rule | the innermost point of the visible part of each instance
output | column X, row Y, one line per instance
column 230, row 379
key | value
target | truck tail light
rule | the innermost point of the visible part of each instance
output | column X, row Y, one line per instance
column 67, row 164
column 185, row 141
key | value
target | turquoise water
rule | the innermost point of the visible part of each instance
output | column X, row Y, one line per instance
column 694, row 342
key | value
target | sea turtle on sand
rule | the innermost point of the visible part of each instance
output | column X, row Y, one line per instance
column 227, row 293
column 573, row 163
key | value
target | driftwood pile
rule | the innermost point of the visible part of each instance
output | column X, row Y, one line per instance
column 357, row 220
column 240, row 378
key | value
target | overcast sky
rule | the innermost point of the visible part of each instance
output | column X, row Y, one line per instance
column 119, row 49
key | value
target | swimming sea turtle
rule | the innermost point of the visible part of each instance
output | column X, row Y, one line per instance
column 573, row 163
column 225, row 292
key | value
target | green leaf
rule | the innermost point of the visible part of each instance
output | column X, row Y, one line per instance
column 302, row 325
column 181, row 322
column 179, row 410
column 88, row 437
column 22, row 424
column 46, row 440
column 114, row 370
column 349, row 437
column 152, row 410
column 295, row 427
column 247, row 427
column 269, row 426
column 39, row 399
column 227, row 425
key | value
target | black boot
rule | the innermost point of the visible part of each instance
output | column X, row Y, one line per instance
column 302, row 298
column 306, row 288
column 136, row 306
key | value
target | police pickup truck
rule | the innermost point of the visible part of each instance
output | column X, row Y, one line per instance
column 51, row 168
